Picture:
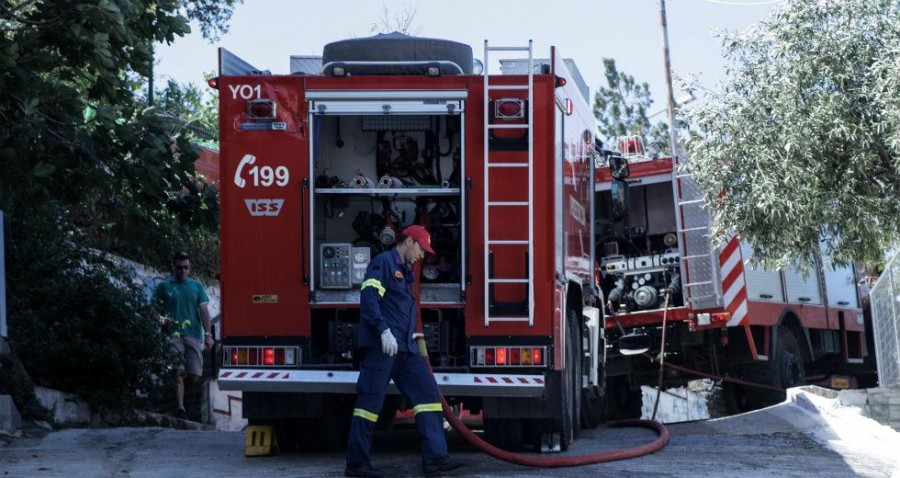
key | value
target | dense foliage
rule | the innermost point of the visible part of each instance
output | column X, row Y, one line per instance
column 75, row 324
column 85, row 163
column 801, row 143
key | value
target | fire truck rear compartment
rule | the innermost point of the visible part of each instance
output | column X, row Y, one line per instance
column 638, row 253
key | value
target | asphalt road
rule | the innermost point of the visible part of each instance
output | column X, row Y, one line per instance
column 790, row 439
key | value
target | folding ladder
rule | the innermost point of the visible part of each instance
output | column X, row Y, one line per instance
column 699, row 262
column 496, row 207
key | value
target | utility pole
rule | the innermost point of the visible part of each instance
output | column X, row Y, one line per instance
column 668, row 65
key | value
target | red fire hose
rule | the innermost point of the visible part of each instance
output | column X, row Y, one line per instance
column 561, row 461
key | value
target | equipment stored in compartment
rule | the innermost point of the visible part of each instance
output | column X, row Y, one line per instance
column 336, row 266
column 360, row 261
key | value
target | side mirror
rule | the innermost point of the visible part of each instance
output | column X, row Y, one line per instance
column 619, row 190
column 618, row 167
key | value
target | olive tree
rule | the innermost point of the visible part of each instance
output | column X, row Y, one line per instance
column 799, row 146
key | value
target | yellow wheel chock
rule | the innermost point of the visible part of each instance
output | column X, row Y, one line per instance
column 260, row 441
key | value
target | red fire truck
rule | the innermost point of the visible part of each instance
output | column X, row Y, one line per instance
column 320, row 170
column 724, row 317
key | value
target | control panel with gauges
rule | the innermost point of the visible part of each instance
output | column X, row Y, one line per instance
column 639, row 283
column 342, row 265
column 335, row 272
column 361, row 258
column 641, row 263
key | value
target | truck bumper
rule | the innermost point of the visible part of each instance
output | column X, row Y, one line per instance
column 333, row 381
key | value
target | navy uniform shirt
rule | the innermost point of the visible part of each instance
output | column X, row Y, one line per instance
column 386, row 301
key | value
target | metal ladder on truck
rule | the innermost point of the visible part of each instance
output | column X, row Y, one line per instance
column 491, row 206
column 699, row 262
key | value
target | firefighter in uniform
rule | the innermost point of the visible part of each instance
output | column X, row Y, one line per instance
column 389, row 351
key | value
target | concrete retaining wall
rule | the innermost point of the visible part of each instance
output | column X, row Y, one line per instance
column 883, row 405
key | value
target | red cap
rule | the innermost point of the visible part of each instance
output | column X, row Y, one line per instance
column 421, row 236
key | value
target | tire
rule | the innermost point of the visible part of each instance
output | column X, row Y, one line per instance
column 789, row 361
column 575, row 365
column 784, row 370
column 571, row 413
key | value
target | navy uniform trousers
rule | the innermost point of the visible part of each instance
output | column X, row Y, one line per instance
column 411, row 375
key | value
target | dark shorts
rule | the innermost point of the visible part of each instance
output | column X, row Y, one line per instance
column 190, row 354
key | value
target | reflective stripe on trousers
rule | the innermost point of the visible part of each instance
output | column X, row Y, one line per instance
column 411, row 375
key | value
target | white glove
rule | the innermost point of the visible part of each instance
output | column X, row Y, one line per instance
column 388, row 343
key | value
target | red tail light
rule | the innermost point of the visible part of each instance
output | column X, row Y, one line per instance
column 537, row 356
column 256, row 356
column 501, row 356
column 508, row 356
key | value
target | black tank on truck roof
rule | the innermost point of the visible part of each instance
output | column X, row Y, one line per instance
column 396, row 54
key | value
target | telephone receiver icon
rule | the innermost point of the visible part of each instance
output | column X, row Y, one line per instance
column 247, row 159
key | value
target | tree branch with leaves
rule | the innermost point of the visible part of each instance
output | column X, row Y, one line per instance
column 801, row 144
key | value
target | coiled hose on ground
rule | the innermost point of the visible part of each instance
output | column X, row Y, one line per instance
column 559, row 461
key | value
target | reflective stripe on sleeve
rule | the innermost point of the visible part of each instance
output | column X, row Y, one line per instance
column 372, row 417
column 373, row 283
column 427, row 407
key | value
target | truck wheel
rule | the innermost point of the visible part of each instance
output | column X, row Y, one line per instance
column 570, row 388
column 783, row 370
column 789, row 361
column 575, row 365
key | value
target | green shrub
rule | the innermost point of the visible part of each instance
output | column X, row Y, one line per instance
column 78, row 322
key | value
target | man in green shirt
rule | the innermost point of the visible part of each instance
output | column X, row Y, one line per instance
column 182, row 303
